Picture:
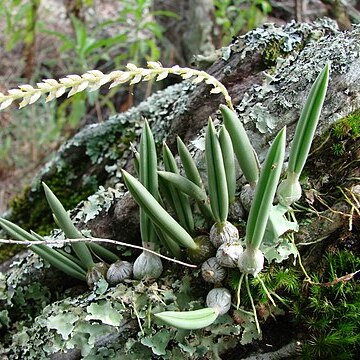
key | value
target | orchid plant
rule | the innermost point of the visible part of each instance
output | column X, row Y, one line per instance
column 80, row 264
column 155, row 190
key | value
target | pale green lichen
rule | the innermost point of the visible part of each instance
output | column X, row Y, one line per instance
column 91, row 323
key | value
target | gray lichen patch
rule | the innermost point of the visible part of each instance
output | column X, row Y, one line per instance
column 119, row 321
column 305, row 49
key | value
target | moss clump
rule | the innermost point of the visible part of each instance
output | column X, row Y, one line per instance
column 344, row 132
column 325, row 313
column 271, row 53
column 348, row 127
column 330, row 312
column 7, row 251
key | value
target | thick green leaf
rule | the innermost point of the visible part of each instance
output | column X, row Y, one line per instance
column 157, row 213
column 103, row 253
column 188, row 187
column 218, row 191
column 148, row 177
column 308, row 121
column 188, row 164
column 243, row 149
column 64, row 221
column 52, row 256
column 229, row 162
column 189, row 320
column 180, row 200
column 265, row 191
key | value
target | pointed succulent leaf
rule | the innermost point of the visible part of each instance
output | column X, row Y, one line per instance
column 218, row 192
column 265, row 192
column 189, row 320
column 52, row 256
column 229, row 162
column 306, row 126
column 190, row 168
column 243, row 149
column 64, row 221
column 188, row 187
column 180, row 200
column 149, row 178
column 157, row 213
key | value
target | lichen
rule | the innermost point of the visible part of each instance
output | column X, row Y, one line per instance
column 95, row 323
column 23, row 294
column 100, row 201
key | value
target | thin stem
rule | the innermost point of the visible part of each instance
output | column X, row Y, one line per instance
column 138, row 320
column 266, row 290
column 101, row 240
column 307, row 277
column 238, row 292
column 280, row 299
column 252, row 304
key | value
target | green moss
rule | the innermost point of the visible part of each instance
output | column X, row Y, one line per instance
column 330, row 313
column 7, row 251
column 327, row 315
column 343, row 133
column 271, row 53
column 338, row 149
column 348, row 127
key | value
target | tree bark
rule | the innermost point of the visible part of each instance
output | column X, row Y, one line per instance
column 266, row 98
